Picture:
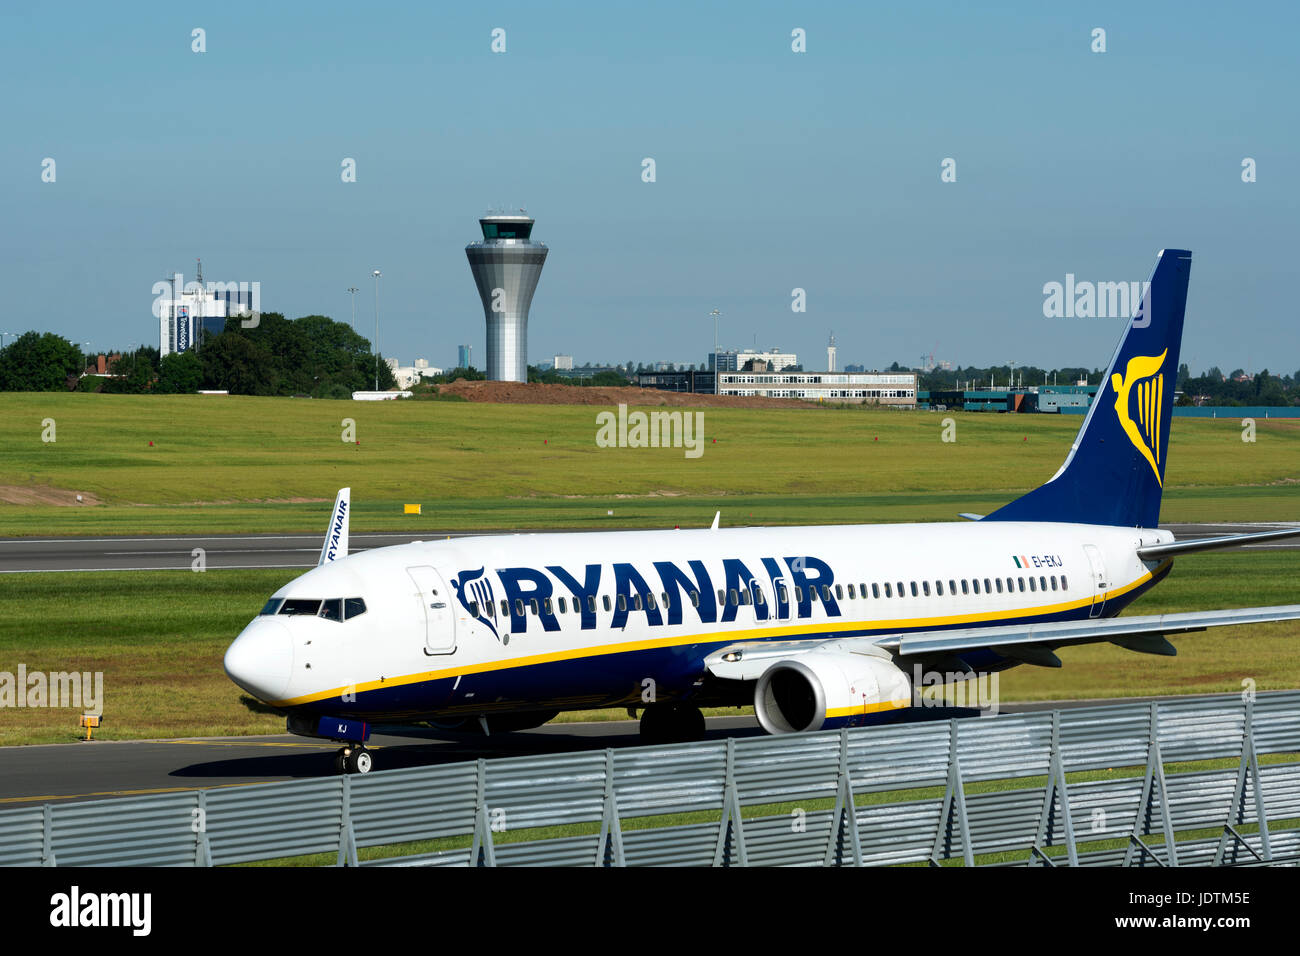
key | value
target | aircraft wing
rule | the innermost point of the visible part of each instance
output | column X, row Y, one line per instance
column 1029, row 642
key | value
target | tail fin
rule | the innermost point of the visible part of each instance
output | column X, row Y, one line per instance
column 1115, row 471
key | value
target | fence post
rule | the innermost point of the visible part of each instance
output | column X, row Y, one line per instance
column 1155, row 778
column 482, row 852
column 954, row 804
column 1247, row 771
column 202, row 849
column 1056, row 783
column 47, row 839
column 731, row 827
column 347, row 839
column 609, row 848
column 844, row 818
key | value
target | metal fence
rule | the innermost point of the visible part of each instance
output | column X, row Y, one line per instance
column 1006, row 790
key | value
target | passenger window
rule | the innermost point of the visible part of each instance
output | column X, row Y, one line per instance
column 1022, row 584
column 1053, row 582
column 519, row 607
column 888, row 592
column 963, row 587
column 732, row 595
column 782, row 596
column 695, row 598
column 745, row 596
column 605, row 598
column 489, row 607
column 758, row 596
column 353, row 607
column 826, row 593
column 1064, row 586
column 505, row 608
column 1031, row 585
column 988, row 588
column 636, row 601
column 332, row 609
column 666, row 603
column 938, row 588
column 546, row 603
column 902, row 592
column 1042, row 583
column 925, row 586
column 999, row 585
column 839, row 592
column 914, row 594
column 473, row 609
column 622, row 602
column 563, row 606
column 798, row 594
column 1011, row 585
column 875, row 590
column 532, row 605
column 952, row 586
column 852, row 593
column 722, row 597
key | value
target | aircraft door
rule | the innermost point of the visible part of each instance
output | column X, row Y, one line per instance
column 779, row 606
column 1099, row 580
column 437, row 615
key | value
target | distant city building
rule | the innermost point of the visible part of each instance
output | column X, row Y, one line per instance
column 688, row 380
column 408, row 375
column 464, row 355
column 506, row 267
column 855, row 368
column 877, row 388
column 732, row 360
column 830, row 354
column 182, row 320
column 562, row 362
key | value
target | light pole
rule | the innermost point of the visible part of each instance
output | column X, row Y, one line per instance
column 376, row 274
column 717, row 372
column 353, row 290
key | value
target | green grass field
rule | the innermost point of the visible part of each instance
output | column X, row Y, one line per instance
column 271, row 464
column 159, row 637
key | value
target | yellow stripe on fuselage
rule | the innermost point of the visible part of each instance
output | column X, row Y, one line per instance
column 826, row 628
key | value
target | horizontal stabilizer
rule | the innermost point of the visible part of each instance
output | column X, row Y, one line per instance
column 969, row 516
column 1158, row 551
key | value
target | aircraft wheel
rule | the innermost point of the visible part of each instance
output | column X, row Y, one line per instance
column 357, row 760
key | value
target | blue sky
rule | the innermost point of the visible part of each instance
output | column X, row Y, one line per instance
column 775, row 170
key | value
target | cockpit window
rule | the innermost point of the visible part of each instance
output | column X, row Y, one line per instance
column 300, row 606
column 354, row 607
column 272, row 606
column 332, row 609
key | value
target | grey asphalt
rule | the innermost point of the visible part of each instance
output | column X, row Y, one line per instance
column 19, row 555
column 103, row 769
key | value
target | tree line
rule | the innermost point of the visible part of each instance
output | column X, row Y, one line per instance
column 313, row 355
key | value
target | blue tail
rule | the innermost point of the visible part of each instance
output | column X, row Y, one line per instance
column 1115, row 471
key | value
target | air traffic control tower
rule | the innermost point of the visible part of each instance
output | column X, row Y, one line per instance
column 506, row 267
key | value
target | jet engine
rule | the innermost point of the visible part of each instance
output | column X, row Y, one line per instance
column 818, row 691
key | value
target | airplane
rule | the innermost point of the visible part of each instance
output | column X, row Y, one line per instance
column 817, row 627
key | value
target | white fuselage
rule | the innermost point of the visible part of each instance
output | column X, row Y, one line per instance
column 594, row 619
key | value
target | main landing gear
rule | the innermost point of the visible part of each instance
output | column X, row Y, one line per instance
column 671, row 722
column 354, row 758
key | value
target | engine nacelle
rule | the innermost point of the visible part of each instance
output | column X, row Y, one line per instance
column 818, row 691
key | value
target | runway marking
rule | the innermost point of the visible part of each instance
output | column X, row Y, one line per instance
column 127, row 793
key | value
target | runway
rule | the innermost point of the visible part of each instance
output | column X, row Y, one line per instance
column 104, row 769
column 25, row 555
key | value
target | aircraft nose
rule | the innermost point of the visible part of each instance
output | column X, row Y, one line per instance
column 261, row 659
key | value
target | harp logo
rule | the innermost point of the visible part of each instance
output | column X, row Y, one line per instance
column 1141, row 390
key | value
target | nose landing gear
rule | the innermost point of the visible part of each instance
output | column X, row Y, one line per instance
column 354, row 758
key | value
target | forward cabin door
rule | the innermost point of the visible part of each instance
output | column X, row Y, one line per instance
column 1099, row 580
column 436, row 614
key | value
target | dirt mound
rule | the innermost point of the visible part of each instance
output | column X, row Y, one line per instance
column 521, row 393
column 20, row 495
